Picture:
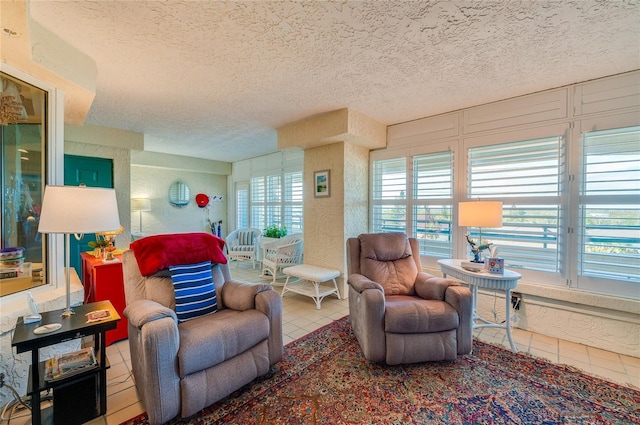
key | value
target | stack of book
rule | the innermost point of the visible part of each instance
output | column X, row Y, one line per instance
column 64, row 365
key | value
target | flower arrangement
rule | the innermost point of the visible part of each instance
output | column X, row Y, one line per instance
column 476, row 250
column 275, row 231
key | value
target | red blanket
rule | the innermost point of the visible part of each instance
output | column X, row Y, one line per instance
column 158, row 252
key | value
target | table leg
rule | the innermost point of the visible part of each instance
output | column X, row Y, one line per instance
column 317, row 299
column 103, row 372
column 335, row 286
column 284, row 288
column 35, row 387
column 474, row 304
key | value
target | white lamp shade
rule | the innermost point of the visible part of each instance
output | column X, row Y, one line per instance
column 75, row 209
column 480, row 214
column 140, row 204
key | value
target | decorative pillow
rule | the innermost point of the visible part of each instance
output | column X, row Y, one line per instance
column 245, row 238
column 194, row 290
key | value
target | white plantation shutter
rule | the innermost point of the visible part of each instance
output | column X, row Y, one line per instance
column 258, row 196
column 609, row 211
column 293, row 202
column 527, row 177
column 389, row 203
column 273, row 204
column 242, row 205
column 277, row 198
column 432, row 203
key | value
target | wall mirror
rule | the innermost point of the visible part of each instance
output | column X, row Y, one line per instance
column 179, row 194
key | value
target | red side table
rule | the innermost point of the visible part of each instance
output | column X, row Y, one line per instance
column 104, row 281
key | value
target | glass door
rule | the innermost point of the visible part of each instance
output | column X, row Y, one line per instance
column 22, row 161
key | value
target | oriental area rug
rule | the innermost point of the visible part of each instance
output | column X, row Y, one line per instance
column 324, row 379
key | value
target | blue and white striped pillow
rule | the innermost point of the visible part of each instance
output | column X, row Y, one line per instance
column 245, row 238
column 194, row 290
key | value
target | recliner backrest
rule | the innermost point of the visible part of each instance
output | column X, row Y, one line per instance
column 387, row 258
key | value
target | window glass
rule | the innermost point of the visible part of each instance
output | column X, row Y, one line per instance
column 22, row 159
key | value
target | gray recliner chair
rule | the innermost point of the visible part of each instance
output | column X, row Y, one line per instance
column 181, row 368
column 398, row 313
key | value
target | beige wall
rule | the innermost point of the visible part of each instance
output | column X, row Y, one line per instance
column 328, row 222
column 154, row 182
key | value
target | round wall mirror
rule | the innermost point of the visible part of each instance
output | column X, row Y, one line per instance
column 179, row 194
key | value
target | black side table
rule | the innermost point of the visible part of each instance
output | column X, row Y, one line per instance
column 73, row 327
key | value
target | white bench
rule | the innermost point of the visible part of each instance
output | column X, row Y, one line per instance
column 309, row 282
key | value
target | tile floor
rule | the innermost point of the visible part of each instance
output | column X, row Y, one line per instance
column 301, row 317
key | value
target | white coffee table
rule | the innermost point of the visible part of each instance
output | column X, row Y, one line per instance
column 309, row 282
column 484, row 279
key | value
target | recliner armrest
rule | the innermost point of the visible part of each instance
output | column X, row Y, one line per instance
column 360, row 283
column 430, row 287
column 144, row 311
column 241, row 296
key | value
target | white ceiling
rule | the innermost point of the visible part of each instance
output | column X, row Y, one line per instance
column 215, row 79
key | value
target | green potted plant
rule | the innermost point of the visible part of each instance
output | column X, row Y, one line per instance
column 274, row 231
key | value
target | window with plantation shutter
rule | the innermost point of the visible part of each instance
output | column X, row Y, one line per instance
column 293, row 206
column 273, row 201
column 258, row 196
column 609, row 205
column 242, row 205
column 527, row 176
column 432, row 203
column 276, row 192
column 389, row 198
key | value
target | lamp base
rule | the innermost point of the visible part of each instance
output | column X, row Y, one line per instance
column 68, row 312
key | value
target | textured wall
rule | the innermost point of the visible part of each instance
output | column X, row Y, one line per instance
column 324, row 217
column 356, row 194
column 329, row 221
column 153, row 183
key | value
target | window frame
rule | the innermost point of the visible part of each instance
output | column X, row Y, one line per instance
column 599, row 285
column 560, row 278
column 53, row 174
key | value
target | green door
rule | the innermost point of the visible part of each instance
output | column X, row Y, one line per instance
column 93, row 172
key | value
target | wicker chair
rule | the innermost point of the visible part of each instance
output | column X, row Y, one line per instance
column 242, row 245
column 282, row 253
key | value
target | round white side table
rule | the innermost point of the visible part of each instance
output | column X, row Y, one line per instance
column 484, row 279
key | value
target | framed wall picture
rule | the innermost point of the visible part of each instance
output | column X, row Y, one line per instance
column 322, row 184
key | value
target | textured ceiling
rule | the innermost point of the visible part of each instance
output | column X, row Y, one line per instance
column 215, row 79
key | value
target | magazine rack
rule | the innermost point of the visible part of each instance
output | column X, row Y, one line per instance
column 68, row 389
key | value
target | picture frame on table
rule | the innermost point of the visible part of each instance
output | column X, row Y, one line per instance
column 322, row 184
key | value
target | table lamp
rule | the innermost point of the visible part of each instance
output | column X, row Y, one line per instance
column 77, row 210
column 479, row 214
column 140, row 204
